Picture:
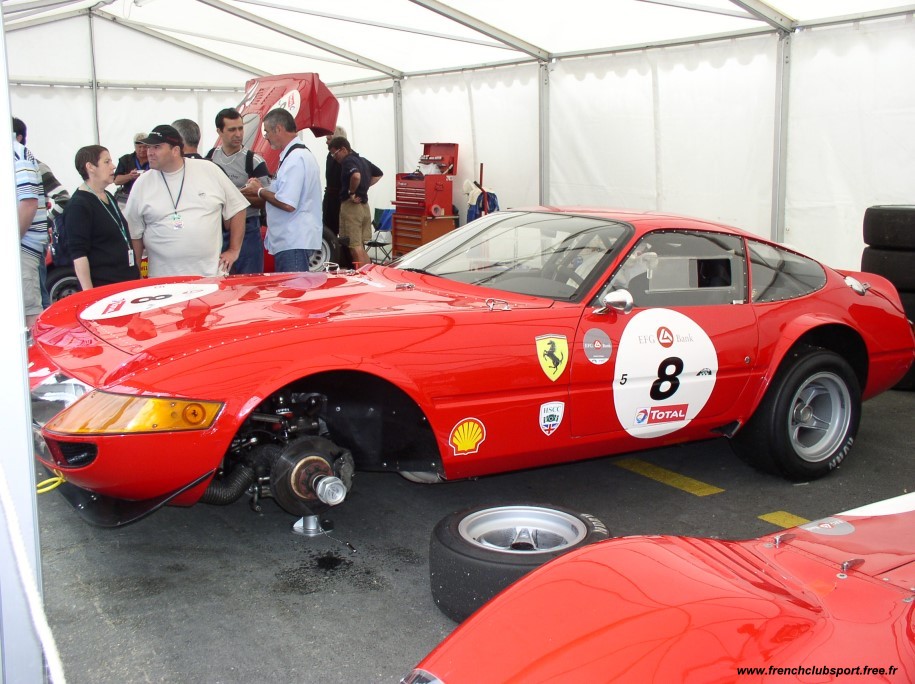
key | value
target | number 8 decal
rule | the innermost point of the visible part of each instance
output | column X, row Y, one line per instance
column 667, row 368
column 664, row 377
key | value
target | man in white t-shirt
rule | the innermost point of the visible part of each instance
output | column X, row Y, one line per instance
column 177, row 208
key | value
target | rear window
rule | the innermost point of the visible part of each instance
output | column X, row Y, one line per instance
column 777, row 274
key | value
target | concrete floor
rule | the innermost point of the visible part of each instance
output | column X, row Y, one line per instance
column 222, row 594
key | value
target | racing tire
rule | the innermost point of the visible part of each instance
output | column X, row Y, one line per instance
column 62, row 282
column 808, row 419
column 890, row 227
column 476, row 552
column 908, row 304
column 329, row 252
column 896, row 265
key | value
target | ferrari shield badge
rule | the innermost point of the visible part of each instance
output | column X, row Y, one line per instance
column 551, row 416
column 553, row 353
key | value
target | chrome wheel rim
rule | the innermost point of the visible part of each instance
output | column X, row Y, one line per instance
column 820, row 414
column 522, row 530
column 320, row 257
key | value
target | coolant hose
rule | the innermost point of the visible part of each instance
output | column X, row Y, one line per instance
column 228, row 489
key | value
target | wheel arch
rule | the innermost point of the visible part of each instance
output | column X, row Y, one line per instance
column 804, row 332
column 842, row 340
column 381, row 423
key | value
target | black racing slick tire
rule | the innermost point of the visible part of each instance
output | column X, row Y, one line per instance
column 477, row 552
column 890, row 227
column 808, row 419
column 896, row 265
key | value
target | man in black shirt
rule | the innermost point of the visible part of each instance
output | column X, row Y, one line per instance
column 357, row 175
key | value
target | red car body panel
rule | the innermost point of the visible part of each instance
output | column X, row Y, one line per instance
column 466, row 355
column 305, row 96
column 677, row 609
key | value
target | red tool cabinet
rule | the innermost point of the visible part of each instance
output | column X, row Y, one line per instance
column 423, row 203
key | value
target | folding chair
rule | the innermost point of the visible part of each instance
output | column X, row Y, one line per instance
column 379, row 246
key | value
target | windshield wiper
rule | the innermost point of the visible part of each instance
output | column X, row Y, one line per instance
column 421, row 271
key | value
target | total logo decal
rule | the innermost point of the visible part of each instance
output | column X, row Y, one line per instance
column 144, row 299
column 661, row 414
column 832, row 527
column 666, row 369
column 467, row 436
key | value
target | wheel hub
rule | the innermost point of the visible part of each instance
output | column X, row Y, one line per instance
column 803, row 413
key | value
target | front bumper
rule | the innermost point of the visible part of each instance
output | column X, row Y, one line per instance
column 106, row 511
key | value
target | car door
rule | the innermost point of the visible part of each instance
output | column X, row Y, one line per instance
column 674, row 366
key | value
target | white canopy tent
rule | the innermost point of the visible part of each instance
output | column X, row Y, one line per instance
column 787, row 118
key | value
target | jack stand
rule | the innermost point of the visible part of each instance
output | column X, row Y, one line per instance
column 312, row 526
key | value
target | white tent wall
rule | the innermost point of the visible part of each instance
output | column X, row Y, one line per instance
column 492, row 116
column 60, row 121
column 369, row 124
column 850, row 136
column 685, row 129
column 688, row 128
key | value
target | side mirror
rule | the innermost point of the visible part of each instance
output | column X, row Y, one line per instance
column 618, row 300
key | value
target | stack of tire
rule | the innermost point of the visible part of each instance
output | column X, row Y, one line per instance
column 889, row 233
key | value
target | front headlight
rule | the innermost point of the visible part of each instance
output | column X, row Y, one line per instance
column 53, row 395
column 103, row 413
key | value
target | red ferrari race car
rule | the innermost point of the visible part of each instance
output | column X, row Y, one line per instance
column 831, row 600
column 526, row 338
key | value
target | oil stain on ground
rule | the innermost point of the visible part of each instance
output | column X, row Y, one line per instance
column 327, row 571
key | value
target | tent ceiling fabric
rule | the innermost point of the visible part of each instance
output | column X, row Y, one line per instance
column 369, row 39
column 784, row 117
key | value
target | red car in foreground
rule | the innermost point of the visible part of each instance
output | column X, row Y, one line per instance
column 830, row 600
column 526, row 338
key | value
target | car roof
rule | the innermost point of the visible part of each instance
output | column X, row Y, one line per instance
column 644, row 220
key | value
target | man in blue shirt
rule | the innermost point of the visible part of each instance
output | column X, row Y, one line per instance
column 294, row 224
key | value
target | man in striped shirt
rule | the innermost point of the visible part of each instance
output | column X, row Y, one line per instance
column 33, row 228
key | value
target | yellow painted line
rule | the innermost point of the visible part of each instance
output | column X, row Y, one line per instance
column 668, row 477
column 783, row 519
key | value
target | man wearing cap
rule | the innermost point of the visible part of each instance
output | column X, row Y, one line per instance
column 129, row 168
column 176, row 211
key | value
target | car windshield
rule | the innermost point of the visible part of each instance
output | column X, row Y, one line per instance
column 558, row 256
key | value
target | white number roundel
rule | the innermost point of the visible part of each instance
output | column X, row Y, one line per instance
column 666, row 367
column 146, row 298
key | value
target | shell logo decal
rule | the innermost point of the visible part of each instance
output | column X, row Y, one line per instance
column 467, row 436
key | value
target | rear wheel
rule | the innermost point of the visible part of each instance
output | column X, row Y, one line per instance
column 477, row 552
column 807, row 421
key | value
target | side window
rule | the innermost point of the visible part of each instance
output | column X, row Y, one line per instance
column 684, row 268
column 777, row 274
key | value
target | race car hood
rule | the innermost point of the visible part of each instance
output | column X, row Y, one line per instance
column 631, row 609
column 162, row 317
column 658, row 608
